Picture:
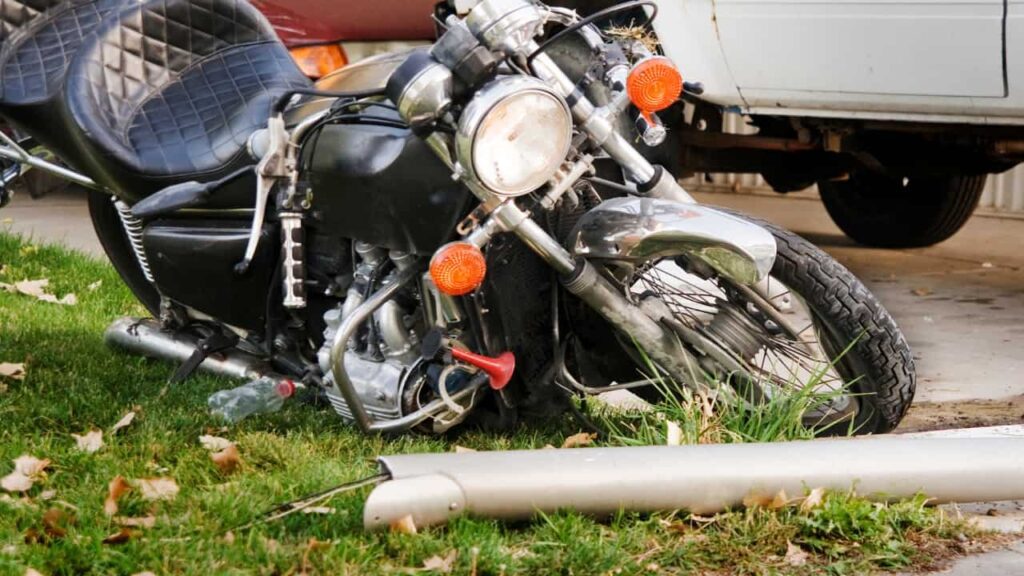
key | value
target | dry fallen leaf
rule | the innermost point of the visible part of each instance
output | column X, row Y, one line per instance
column 55, row 521
column 89, row 442
column 463, row 450
column 37, row 290
column 795, row 555
column 215, row 443
column 813, row 500
column 144, row 522
column 30, row 465
column 118, row 487
column 673, row 433
column 921, row 292
column 122, row 536
column 12, row 371
column 27, row 470
column 441, row 565
column 404, row 525
column 581, row 439
column 32, row 572
column 16, row 482
column 319, row 510
column 154, row 489
column 227, row 460
column 764, row 500
column 781, row 500
column 125, row 421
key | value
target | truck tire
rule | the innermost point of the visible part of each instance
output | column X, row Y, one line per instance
column 894, row 213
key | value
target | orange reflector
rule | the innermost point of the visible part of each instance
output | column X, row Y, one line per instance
column 458, row 268
column 319, row 61
column 654, row 84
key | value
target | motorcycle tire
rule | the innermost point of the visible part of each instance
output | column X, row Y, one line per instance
column 823, row 322
column 879, row 364
column 110, row 231
column 894, row 213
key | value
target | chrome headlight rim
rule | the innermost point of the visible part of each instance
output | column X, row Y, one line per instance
column 476, row 112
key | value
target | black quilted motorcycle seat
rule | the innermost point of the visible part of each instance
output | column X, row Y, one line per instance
column 16, row 14
column 171, row 90
column 34, row 62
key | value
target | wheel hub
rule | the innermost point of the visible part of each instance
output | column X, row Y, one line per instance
column 732, row 327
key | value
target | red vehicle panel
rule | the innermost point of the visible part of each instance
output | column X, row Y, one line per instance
column 300, row 22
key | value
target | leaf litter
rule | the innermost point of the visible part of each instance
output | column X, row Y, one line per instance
column 90, row 442
column 27, row 471
column 224, row 453
column 579, row 440
column 124, row 422
column 14, row 371
column 38, row 289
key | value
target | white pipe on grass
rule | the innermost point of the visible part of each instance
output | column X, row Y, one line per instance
column 434, row 488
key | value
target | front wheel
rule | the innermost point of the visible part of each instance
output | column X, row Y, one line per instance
column 901, row 213
column 811, row 323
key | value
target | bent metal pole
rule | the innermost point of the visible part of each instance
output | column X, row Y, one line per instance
column 433, row 488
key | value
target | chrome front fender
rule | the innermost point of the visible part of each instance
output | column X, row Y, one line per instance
column 640, row 229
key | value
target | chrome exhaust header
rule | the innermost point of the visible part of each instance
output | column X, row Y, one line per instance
column 434, row 488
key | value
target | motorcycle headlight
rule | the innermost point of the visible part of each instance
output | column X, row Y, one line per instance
column 514, row 135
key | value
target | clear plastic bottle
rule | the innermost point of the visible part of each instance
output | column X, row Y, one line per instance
column 261, row 396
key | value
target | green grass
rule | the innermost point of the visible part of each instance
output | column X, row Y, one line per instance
column 75, row 383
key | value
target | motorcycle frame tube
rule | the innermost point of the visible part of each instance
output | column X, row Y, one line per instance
column 12, row 151
column 702, row 479
column 340, row 345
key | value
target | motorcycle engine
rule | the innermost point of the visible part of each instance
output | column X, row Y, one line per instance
column 384, row 361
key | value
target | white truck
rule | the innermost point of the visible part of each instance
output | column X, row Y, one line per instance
column 897, row 109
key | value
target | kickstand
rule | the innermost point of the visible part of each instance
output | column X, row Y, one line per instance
column 207, row 347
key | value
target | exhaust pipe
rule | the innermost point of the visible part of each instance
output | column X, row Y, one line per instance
column 433, row 488
column 144, row 337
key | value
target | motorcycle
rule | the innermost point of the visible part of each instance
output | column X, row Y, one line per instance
column 468, row 231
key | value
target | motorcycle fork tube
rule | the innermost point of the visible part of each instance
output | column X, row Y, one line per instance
column 661, row 345
column 600, row 128
column 583, row 280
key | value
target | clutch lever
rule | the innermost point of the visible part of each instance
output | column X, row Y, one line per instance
column 272, row 167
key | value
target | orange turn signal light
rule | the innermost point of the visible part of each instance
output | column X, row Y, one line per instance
column 320, row 60
column 458, row 268
column 654, row 84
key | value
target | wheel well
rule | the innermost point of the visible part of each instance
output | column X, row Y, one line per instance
column 793, row 153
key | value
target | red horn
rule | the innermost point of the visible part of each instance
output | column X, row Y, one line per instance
column 500, row 369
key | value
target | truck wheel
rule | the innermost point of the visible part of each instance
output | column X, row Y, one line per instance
column 894, row 213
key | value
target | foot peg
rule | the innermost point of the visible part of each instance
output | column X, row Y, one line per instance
column 207, row 347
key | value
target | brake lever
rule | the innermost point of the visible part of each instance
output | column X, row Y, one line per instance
column 272, row 167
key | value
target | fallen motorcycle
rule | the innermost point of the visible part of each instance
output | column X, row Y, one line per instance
column 471, row 230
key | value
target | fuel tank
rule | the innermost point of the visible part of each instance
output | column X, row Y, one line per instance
column 373, row 180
